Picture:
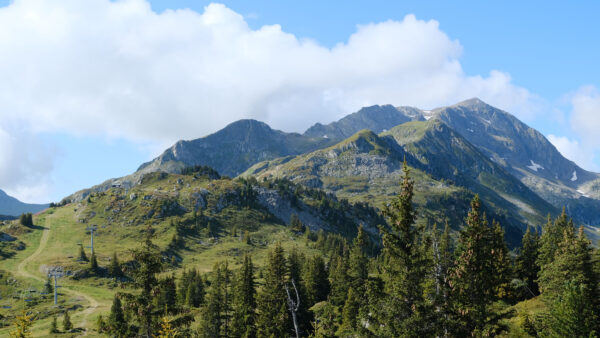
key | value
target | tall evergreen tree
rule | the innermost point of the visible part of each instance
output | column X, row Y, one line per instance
column 443, row 263
column 552, row 235
column 93, row 263
column 48, row 286
column 117, row 325
column 526, row 266
column 82, row 255
column 403, row 310
column 244, row 302
column 473, row 278
column 502, row 263
column 348, row 328
column 339, row 279
column 215, row 311
column 572, row 313
column 67, row 325
column 273, row 318
column 115, row 268
column 149, row 262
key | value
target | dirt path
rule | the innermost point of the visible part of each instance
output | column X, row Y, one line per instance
column 21, row 271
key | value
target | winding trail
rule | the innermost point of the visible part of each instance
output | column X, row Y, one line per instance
column 21, row 271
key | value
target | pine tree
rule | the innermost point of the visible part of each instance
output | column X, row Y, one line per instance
column 244, row 301
column 359, row 262
column 349, row 315
column 273, row 319
column 115, row 268
column 67, row 325
column 526, row 267
column 339, row 279
column 552, row 235
column 572, row 313
column 93, row 263
column 53, row 325
column 473, row 279
column 82, row 255
column 443, row 263
column 166, row 329
column 48, row 286
column 403, row 309
column 148, row 259
column 117, row 325
column 502, row 264
column 316, row 281
column 215, row 312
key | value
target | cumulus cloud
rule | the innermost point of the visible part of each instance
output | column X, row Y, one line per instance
column 585, row 116
column 25, row 163
column 118, row 69
column 574, row 151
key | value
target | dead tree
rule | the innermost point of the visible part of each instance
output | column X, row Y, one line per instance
column 293, row 306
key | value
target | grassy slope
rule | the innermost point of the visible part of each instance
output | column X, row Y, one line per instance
column 66, row 225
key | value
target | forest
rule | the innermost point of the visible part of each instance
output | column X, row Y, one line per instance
column 421, row 281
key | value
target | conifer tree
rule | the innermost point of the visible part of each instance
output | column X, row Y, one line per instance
column 93, row 263
column 502, row 264
column 339, row 279
column 552, row 235
column 526, row 266
column 53, row 325
column 117, row 325
column 443, row 263
column 149, row 262
column 349, row 315
column 359, row 262
column 572, row 313
column 473, row 278
column 100, row 324
column 273, row 319
column 244, row 302
column 316, row 281
column 48, row 286
column 215, row 312
column 115, row 268
column 405, row 266
column 67, row 325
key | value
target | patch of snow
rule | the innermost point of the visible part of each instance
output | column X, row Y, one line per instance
column 325, row 136
column 426, row 117
column 471, row 130
column 583, row 193
column 427, row 114
column 574, row 177
column 486, row 121
column 534, row 166
column 384, row 130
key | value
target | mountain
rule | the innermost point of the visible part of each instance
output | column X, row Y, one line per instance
column 10, row 206
column 446, row 168
column 375, row 118
column 234, row 148
column 526, row 154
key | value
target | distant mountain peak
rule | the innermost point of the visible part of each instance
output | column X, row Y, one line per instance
column 13, row 207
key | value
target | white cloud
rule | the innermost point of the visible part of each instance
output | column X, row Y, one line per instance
column 574, row 151
column 585, row 116
column 25, row 164
column 118, row 69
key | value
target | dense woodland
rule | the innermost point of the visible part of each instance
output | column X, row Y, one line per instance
column 423, row 282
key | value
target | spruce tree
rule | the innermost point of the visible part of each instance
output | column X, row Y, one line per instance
column 48, row 286
column 526, row 266
column 148, row 259
column 443, row 263
column 316, row 281
column 572, row 313
column 244, row 301
column 67, row 325
column 339, row 278
column 403, row 309
column 502, row 263
column 349, row 315
column 115, row 268
column 215, row 311
column 473, row 279
column 359, row 262
column 273, row 319
column 93, row 263
column 117, row 325
column 53, row 325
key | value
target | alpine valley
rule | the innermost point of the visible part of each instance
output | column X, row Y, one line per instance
column 249, row 197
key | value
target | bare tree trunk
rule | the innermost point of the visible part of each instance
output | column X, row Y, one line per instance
column 294, row 306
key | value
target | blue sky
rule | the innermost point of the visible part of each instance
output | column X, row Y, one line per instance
column 101, row 88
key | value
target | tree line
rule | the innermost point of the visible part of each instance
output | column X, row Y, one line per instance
column 425, row 282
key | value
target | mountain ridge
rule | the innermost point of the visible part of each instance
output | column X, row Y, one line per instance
column 10, row 206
